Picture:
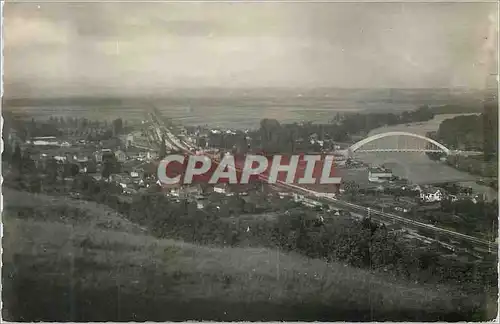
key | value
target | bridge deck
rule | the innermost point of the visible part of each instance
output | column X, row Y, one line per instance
column 399, row 150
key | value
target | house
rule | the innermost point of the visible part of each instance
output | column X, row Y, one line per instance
column 80, row 158
column 129, row 140
column 103, row 155
column 379, row 175
column 298, row 198
column 151, row 155
column 414, row 187
column 97, row 176
column 44, row 141
column 201, row 202
column 478, row 198
column 221, row 188
column 183, row 192
column 98, row 157
column 284, row 194
column 60, row 158
column 107, row 155
column 431, row 195
column 310, row 202
column 111, row 143
column 401, row 209
column 175, row 192
column 129, row 191
column 326, row 194
column 191, row 190
column 120, row 156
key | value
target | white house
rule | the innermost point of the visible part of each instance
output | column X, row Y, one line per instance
column 431, row 195
column 284, row 194
column 416, row 188
column 201, row 203
column 297, row 197
column 60, row 158
column 379, row 175
column 129, row 140
column 326, row 194
column 120, row 156
column 221, row 190
column 80, row 158
column 311, row 203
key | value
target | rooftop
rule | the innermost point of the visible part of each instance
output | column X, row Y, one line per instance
column 379, row 170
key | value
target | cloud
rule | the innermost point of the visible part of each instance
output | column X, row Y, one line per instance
column 33, row 32
column 136, row 47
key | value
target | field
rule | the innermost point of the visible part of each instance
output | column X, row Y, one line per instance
column 239, row 108
column 101, row 267
column 223, row 113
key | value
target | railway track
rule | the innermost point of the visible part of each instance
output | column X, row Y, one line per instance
column 492, row 246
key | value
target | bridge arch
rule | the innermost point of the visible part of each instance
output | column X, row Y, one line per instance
column 375, row 137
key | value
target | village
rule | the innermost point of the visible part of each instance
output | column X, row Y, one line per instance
column 128, row 158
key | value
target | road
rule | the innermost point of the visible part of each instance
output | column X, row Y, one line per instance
column 413, row 223
column 491, row 246
column 171, row 140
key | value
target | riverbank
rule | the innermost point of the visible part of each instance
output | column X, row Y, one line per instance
column 478, row 132
column 487, row 170
column 418, row 167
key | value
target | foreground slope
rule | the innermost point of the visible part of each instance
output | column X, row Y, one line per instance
column 78, row 270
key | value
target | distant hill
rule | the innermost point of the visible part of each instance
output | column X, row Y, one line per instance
column 458, row 109
column 415, row 96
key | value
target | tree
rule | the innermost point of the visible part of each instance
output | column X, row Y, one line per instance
column 17, row 156
column 117, row 126
column 35, row 184
column 71, row 169
column 351, row 188
column 269, row 131
column 163, row 148
column 51, row 170
column 7, row 152
column 490, row 130
column 27, row 163
column 91, row 167
column 107, row 169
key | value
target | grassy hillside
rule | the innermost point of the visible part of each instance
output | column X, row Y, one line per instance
column 90, row 269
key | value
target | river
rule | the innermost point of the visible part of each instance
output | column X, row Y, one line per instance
column 417, row 167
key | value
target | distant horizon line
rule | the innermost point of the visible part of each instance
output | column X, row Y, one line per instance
column 6, row 96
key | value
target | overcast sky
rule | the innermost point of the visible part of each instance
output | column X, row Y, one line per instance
column 81, row 48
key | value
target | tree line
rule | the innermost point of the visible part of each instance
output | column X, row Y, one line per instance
column 472, row 132
column 57, row 126
column 274, row 137
column 362, row 244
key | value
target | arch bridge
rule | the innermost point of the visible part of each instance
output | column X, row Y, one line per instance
column 405, row 142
